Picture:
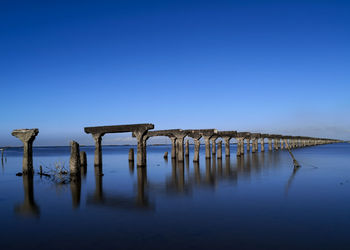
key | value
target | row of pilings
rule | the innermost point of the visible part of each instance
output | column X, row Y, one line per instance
column 180, row 148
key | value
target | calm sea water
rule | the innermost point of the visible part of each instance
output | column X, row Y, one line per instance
column 257, row 202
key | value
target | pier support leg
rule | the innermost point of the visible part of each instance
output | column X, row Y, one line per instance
column 187, row 148
column 248, row 145
column 196, row 150
column 180, row 148
column 270, row 144
column 213, row 145
column 27, row 136
column 262, row 145
column 141, row 146
column 227, row 146
column 173, row 147
column 219, row 154
column 207, row 147
column 98, row 149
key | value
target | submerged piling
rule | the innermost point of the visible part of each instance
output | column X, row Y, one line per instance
column 74, row 162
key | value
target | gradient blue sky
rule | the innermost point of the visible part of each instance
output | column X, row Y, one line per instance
column 265, row 66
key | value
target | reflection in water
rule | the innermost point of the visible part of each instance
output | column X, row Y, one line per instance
column 197, row 172
column 131, row 167
column 208, row 172
column 215, row 171
column 120, row 201
column 98, row 195
column 142, row 199
column 291, row 178
column 220, row 167
column 83, row 171
column 28, row 208
column 75, row 188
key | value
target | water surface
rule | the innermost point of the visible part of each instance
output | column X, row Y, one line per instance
column 258, row 201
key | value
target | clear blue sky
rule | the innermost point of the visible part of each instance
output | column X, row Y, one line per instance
column 269, row 66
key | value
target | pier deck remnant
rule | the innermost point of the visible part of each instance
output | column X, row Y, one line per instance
column 138, row 130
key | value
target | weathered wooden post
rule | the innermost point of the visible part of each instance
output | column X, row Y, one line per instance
column 165, row 155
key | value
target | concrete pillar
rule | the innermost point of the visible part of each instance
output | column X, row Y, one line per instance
column 213, row 145
column 239, row 146
column 219, row 154
column 248, row 145
column 131, row 154
column 207, row 146
column 227, row 146
column 83, row 161
column 173, row 147
column 270, row 144
column 187, row 148
column 276, row 143
column 254, row 146
column 144, row 151
column 98, row 149
column 282, row 144
column 74, row 161
column 141, row 147
column 242, row 147
column 180, row 147
column 262, row 145
column 27, row 136
column 196, row 149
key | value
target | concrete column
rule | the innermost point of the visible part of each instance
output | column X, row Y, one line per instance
column 219, row 154
column 74, row 161
column 173, row 147
column 227, row 146
column 141, row 147
column 187, row 148
column 207, row 146
column 282, row 144
column 213, row 145
column 262, row 145
column 270, row 144
column 144, row 150
column 255, row 145
column 98, row 149
column 27, row 136
column 248, row 145
column 242, row 147
column 180, row 147
column 239, row 142
column 196, row 150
